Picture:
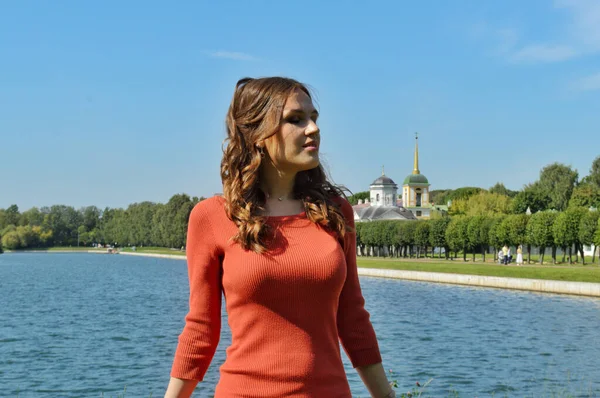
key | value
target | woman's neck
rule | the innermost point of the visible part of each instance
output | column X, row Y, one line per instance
column 277, row 184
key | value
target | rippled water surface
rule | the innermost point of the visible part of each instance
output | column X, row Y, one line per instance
column 85, row 325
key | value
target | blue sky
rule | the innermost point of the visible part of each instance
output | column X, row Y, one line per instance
column 110, row 103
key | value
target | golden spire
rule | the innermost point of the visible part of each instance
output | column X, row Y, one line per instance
column 416, row 168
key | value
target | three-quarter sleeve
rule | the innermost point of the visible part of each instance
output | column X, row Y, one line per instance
column 355, row 330
column 200, row 337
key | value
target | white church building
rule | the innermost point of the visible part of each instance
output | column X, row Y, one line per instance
column 385, row 204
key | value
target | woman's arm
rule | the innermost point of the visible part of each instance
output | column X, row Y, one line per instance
column 354, row 326
column 180, row 388
column 198, row 341
column 376, row 381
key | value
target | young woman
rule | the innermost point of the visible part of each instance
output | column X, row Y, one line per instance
column 281, row 247
column 520, row 255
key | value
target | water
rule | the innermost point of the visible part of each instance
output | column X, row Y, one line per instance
column 85, row 325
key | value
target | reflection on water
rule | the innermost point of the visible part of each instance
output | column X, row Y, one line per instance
column 74, row 325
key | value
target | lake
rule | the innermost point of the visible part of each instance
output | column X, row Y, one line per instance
column 89, row 325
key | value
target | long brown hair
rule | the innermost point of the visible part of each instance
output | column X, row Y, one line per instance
column 255, row 114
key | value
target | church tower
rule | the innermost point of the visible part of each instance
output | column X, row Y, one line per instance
column 415, row 190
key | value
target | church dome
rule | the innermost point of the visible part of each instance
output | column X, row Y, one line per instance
column 383, row 180
column 415, row 179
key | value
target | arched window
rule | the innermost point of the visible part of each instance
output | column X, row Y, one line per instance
column 377, row 200
column 418, row 191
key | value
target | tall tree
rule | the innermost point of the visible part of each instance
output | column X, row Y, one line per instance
column 422, row 236
column 32, row 217
column 476, row 235
column 566, row 230
column 518, row 232
column 585, row 195
column 594, row 176
column 558, row 181
column 90, row 217
column 437, row 234
column 457, row 236
column 12, row 215
column 539, row 232
column 587, row 230
column 493, row 238
column 532, row 197
column 64, row 222
column 500, row 189
column 482, row 204
column 597, row 238
column 406, row 236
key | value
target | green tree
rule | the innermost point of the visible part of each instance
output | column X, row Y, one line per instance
column 90, row 217
column 437, row 234
column 457, row 236
column 140, row 215
column 585, row 195
column 422, row 236
column 493, row 239
column 532, row 197
column 440, row 196
column 597, row 237
column 63, row 221
column 485, row 204
column 566, row 230
column 32, row 217
column 3, row 221
column 390, row 236
column 12, row 215
column 539, row 232
column 406, row 237
column 27, row 237
column 464, row 193
column 594, row 176
column 11, row 240
column 557, row 181
column 517, row 231
column 353, row 199
column 500, row 189
column 587, row 230
column 476, row 235
column 503, row 232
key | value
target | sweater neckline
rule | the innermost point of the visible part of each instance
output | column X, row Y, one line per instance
column 287, row 217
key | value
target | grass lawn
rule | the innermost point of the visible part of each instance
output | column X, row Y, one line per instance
column 574, row 273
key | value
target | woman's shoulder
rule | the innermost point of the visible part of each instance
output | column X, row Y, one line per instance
column 209, row 208
column 344, row 205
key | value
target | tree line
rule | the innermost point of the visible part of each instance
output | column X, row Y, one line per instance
column 570, row 231
column 140, row 224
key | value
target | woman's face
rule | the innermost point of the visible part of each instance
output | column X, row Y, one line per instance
column 295, row 147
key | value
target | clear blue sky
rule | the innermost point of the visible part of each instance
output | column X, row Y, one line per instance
column 114, row 102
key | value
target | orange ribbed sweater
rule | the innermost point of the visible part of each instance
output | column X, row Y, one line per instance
column 286, row 309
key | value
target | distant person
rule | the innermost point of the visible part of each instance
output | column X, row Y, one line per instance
column 520, row 255
column 505, row 252
column 508, row 257
column 501, row 256
column 280, row 244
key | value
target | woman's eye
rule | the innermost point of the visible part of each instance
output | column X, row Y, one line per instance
column 294, row 120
